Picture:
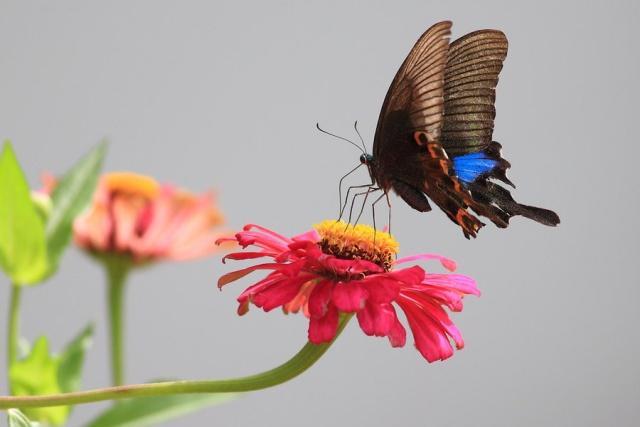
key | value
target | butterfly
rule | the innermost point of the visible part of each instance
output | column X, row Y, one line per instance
column 434, row 134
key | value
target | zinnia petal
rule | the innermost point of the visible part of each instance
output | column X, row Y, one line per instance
column 278, row 294
column 429, row 339
column 319, row 299
column 377, row 319
column 447, row 263
column 238, row 274
column 323, row 329
column 349, row 297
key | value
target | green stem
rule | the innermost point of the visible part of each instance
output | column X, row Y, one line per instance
column 299, row 363
column 117, row 271
column 13, row 325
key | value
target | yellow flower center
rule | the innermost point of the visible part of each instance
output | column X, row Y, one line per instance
column 346, row 241
column 132, row 183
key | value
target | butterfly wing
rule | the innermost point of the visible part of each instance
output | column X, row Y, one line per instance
column 417, row 89
column 407, row 150
column 471, row 75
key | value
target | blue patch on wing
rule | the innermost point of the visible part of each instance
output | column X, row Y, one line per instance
column 469, row 167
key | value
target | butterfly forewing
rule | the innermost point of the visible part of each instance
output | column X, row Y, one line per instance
column 417, row 89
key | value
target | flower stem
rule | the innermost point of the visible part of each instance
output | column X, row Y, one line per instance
column 117, row 271
column 13, row 325
column 299, row 363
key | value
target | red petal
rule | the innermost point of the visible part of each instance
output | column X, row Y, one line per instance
column 235, row 275
column 447, row 263
column 243, row 308
column 222, row 240
column 397, row 334
column 323, row 329
column 377, row 319
column 410, row 276
column 458, row 282
column 430, row 339
column 381, row 290
column 279, row 294
column 246, row 255
column 349, row 297
column 349, row 266
column 319, row 299
column 265, row 230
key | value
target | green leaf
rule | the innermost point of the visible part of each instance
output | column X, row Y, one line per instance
column 23, row 249
column 18, row 419
column 38, row 374
column 70, row 196
column 43, row 373
column 72, row 360
column 144, row 411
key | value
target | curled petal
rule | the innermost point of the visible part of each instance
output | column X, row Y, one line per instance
column 243, row 307
column 268, row 232
column 238, row 274
column 447, row 263
column 349, row 266
column 246, row 255
column 227, row 239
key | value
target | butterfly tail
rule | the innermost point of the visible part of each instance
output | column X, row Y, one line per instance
column 502, row 198
column 491, row 200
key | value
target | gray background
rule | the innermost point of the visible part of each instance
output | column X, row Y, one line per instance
column 226, row 96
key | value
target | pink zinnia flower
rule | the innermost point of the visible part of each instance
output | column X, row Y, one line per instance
column 336, row 268
column 132, row 214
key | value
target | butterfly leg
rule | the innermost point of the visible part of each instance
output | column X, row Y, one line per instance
column 373, row 213
column 341, row 210
column 343, row 207
column 364, row 202
column 353, row 200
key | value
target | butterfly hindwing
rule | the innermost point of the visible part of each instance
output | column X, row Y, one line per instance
column 471, row 76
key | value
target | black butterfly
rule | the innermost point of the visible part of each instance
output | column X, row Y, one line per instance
column 434, row 133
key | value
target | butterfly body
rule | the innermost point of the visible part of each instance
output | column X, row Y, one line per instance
column 434, row 134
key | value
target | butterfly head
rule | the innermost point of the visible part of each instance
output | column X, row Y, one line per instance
column 368, row 160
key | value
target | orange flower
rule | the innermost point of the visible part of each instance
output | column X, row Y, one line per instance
column 133, row 214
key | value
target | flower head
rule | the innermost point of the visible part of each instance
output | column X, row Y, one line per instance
column 134, row 215
column 338, row 268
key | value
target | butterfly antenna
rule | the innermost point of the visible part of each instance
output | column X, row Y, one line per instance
column 340, row 137
column 355, row 126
